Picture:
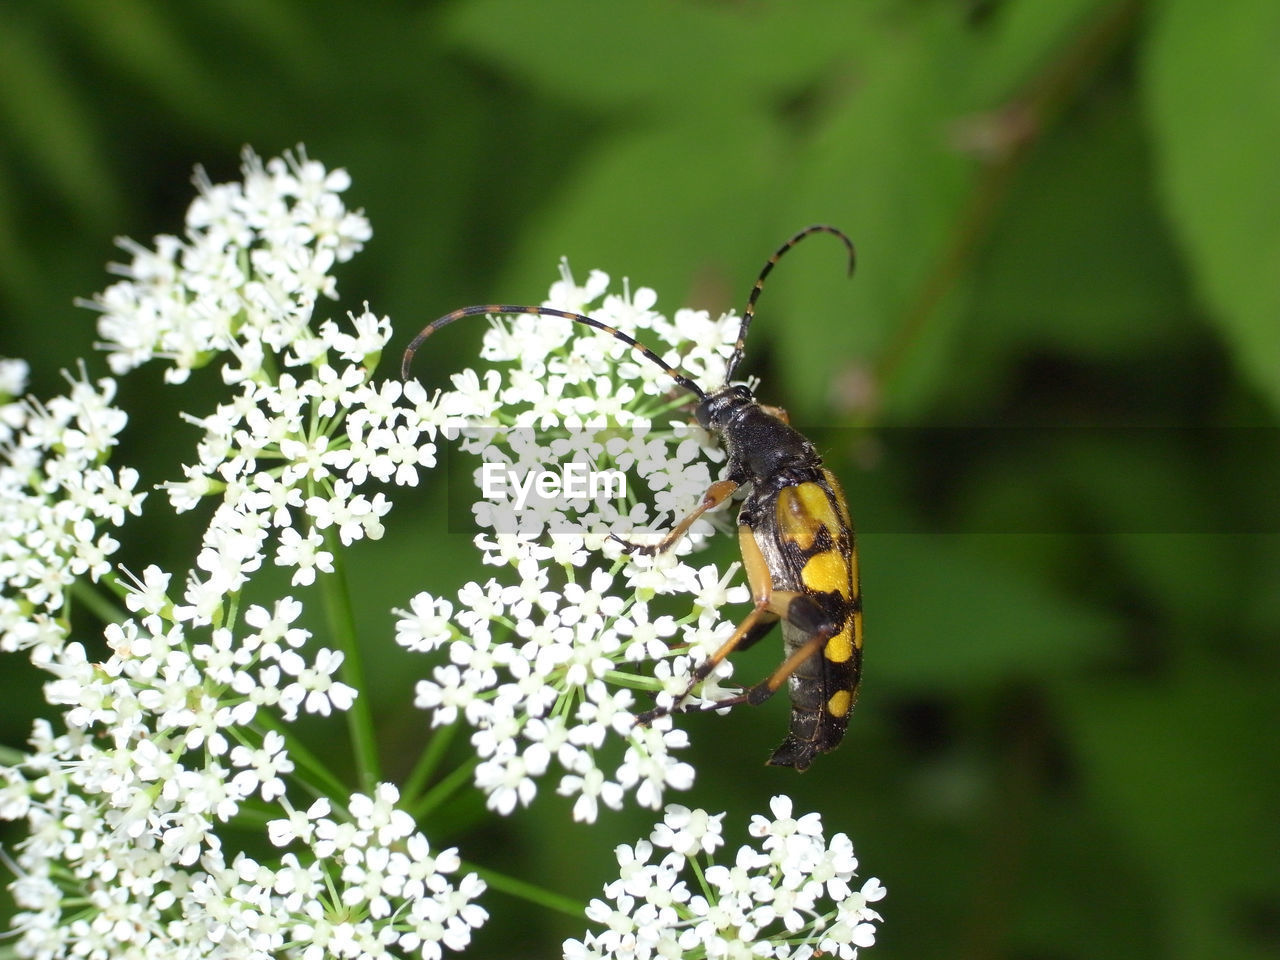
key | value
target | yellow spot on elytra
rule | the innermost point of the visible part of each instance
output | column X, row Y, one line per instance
column 793, row 522
column 803, row 510
column 838, row 703
column 834, row 484
column 826, row 573
column 840, row 647
column 818, row 505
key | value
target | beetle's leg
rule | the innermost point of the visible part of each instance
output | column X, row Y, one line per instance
column 815, row 614
column 716, row 494
column 807, row 609
column 767, row 687
column 770, row 606
column 758, row 631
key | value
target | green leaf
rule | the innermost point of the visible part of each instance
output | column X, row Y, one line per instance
column 681, row 56
column 1193, row 797
column 1213, row 98
column 881, row 168
column 1080, row 260
column 624, row 211
column 941, row 614
column 44, row 114
column 145, row 41
column 1027, row 34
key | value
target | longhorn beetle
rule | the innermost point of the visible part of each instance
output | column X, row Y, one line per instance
column 794, row 531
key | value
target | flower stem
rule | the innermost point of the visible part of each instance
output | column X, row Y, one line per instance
column 337, row 601
column 9, row 757
column 526, row 891
column 427, row 763
column 333, row 787
column 443, row 790
column 92, row 600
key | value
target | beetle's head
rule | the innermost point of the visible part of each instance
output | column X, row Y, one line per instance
column 718, row 409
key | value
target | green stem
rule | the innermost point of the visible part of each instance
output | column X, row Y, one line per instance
column 257, row 815
column 526, row 891
column 444, row 789
column 9, row 757
column 333, row 788
column 91, row 598
column 342, row 622
column 427, row 763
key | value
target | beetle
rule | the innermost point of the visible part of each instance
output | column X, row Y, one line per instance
column 794, row 531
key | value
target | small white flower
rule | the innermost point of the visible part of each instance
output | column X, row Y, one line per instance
column 299, row 825
column 508, row 776
column 687, row 831
column 304, row 553
column 264, row 767
column 425, row 626
column 314, row 688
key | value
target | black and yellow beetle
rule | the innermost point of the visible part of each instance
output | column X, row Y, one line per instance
column 794, row 531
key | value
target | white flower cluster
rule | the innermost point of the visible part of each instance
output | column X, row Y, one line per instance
column 790, row 897
column 56, row 496
column 386, row 884
column 299, row 449
column 566, row 393
column 544, row 659
column 123, row 857
column 306, row 427
column 177, row 730
column 245, row 278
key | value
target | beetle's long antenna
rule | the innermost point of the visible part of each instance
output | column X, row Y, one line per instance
column 750, row 310
column 506, row 308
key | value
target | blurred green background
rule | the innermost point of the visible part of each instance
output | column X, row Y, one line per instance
column 1051, row 391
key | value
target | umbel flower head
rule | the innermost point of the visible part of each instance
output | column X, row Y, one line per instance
column 177, row 727
column 790, row 896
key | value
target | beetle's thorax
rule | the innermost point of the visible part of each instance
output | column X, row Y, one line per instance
column 760, row 447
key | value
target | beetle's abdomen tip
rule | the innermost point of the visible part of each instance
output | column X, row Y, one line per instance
column 795, row 753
